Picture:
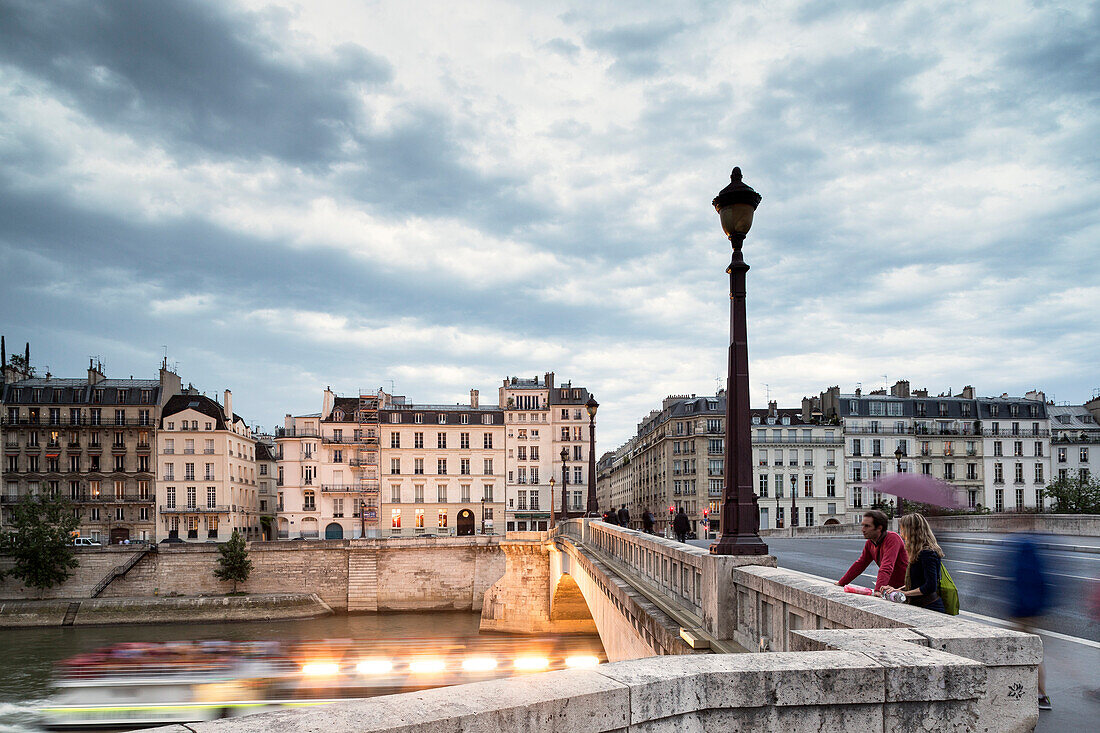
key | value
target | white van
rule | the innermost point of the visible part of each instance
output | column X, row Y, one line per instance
column 86, row 542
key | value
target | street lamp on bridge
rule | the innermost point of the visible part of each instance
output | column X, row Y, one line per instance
column 735, row 205
column 564, row 482
column 552, row 500
column 593, row 510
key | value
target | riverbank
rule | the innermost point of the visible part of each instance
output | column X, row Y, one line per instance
column 161, row 610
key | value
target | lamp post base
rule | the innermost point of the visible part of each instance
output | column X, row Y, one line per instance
column 739, row 544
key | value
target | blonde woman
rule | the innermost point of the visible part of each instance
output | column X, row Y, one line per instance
column 922, row 579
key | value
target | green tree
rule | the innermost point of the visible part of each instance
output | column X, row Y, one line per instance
column 233, row 562
column 40, row 542
column 1075, row 494
column 16, row 361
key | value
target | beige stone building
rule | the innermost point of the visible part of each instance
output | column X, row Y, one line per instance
column 267, row 469
column 91, row 440
column 378, row 465
column 206, row 462
column 442, row 468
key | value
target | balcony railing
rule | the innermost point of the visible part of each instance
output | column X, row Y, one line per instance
column 296, row 433
column 103, row 422
column 216, row 509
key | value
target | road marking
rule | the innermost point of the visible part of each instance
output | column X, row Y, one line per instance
column 1040, row 632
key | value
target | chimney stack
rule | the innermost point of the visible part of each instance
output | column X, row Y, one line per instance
column 773, row 408
column 967, row 393
column 95, row 372
column 900, row 388
column 474, row 399
column 228, row 406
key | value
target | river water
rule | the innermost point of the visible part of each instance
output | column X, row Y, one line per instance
column 28, row 655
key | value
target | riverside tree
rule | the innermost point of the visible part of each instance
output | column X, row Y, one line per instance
column 233, row 562
column 1075, row 494
column 40, row 542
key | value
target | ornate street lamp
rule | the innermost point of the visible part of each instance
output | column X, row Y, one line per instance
column 593, row 510
column 551, row 501
column 564, row 482
column 736, row 204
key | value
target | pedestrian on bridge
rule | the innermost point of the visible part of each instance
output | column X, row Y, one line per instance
column 886, row 548
column 624, row 517
column 922, row 578
column 681, row 526
column 647, row 521
column 610, row 516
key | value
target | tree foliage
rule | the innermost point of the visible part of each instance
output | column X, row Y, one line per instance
column 19, row 362
column 233, row 562
column 1075, row 494
column 40, row 542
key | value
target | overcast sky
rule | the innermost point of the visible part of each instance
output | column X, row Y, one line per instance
column 436, row 195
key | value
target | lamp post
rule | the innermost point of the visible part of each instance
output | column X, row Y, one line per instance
column 551, row 501
column 740, row 516
column 564, row 482
column 593, row 510
column 898, row 453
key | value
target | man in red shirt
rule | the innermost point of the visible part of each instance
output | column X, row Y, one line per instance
column 886, row 548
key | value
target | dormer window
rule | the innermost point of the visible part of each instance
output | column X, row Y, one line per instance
column 418, row 418
column 442, row 419
column 771, row 421
column 338, row 415
column 786, row 421
column 755, row 419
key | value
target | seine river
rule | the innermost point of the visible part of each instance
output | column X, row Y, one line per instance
column 28, row 655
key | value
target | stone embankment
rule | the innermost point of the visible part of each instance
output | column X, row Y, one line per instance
column 113, row 611
column 408, row 574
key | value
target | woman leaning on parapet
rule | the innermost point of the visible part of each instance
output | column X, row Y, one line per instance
column 922, row 579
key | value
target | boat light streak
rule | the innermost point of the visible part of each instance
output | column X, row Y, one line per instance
column 479, row 664
column 586, row 660
column 320, row 669
column 427, row 666
column 374, row 666
column 532, row 664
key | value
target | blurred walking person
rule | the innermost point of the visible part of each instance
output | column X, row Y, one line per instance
column 681, row 526
column 1031, row 593
column 647, row 521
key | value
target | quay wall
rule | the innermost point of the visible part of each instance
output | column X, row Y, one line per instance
column 413, row 574
column 112, row 611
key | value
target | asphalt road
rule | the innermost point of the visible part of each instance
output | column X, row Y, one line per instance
column 1071, row 640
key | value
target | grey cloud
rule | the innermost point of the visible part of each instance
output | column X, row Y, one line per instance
column 191, row 73
column 635, row 46
column 563, row 47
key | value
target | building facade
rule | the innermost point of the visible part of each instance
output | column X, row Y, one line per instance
column 1016, row 451
column 377, row 465
column 677, row 459
column 529, row 458
column 206, row 462
column 443, row 468
column 91, row 440
column 1074, row 439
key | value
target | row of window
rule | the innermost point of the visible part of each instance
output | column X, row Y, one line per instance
column 441, row 440
column 52, row 464
column 767, row 481
column 441, row 467
column 53, row 415
column 243, row 473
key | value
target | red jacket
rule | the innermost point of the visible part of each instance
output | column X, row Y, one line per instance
column 892, row 562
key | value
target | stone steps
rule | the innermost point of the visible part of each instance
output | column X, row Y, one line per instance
column 362, row 580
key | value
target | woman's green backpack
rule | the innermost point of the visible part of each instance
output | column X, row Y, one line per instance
column 948, row 592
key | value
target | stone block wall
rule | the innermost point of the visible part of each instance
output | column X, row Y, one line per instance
column 95, row 563
column 414, row 574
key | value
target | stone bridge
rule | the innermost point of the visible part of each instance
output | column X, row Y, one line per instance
column 672, row 619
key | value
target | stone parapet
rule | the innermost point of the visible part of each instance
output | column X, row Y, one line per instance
column 794, row 692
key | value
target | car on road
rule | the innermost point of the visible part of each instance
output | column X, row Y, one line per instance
column 86, row 542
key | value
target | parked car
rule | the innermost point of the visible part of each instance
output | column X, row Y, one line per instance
column 86, row 542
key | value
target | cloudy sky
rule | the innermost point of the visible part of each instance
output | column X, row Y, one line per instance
column 436, row 195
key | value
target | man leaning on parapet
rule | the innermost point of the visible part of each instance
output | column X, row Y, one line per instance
column 886, row 548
